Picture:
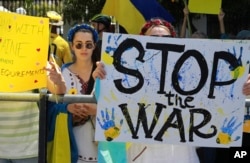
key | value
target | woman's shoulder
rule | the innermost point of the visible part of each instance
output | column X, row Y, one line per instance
column 66, row 65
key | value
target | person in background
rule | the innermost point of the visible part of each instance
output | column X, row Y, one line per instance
column 156, row 153
column 243, row 35
column 221, row 16
column 58, row 47
column 184, row 23
column 199, row 34
column 223, row 34
column 104, row 23
column 3, row 9
column 196, row 34
column 78, row 80
column 21, row 10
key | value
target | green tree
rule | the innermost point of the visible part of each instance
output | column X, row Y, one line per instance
column 79, row 10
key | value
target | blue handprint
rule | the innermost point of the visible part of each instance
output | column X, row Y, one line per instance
column 111, row 131
column 224, row 137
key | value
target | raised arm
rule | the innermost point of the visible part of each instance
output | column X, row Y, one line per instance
column 221, row 16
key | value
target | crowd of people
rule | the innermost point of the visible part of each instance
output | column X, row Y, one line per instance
column 75, row 71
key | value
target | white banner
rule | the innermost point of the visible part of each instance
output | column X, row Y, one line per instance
column 171, row 90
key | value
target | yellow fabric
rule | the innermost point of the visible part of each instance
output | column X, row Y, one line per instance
column 125, row 13
column 58, row 151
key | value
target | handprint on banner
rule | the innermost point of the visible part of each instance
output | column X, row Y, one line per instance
column 224, row 137
column 111, row 130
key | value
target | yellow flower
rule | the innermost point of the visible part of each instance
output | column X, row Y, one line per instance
column 72, row 91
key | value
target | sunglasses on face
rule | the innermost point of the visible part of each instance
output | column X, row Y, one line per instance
column 87, row 45
column 162, row 35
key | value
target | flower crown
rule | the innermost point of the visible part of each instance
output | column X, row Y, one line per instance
column 77, row 27
column 157, row 22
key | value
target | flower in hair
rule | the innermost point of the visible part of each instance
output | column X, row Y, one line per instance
column 157, row 22
column 78, row 27
column 147, row 25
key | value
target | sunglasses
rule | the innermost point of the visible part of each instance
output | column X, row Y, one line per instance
column 162, row 35
column 87, row 45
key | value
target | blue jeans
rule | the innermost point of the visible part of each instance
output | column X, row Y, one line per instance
column 24, row 160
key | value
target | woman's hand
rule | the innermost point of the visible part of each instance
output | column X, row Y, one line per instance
column 82, row 110
column 55, row 78
column 54, row 73
column 99, row 72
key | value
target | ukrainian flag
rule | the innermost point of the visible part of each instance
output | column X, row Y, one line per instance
column 151, row 8
column 132, row 14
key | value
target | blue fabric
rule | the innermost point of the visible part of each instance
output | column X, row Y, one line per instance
column 66, row 65
column 53, row 111
column 97, row 88
column 151, row 8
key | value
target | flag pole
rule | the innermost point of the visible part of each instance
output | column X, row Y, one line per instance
column 188, row 21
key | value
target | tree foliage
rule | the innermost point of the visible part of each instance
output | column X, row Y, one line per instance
column 81, row 10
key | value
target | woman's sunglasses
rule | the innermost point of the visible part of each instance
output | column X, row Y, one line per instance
column 87, row 45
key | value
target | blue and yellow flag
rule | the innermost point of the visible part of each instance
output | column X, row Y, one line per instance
column 125, row 13
column 151, row 8
column 132, row 14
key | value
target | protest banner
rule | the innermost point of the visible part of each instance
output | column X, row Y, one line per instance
column 171, row 90
column 204, row 6
column 24, row 44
